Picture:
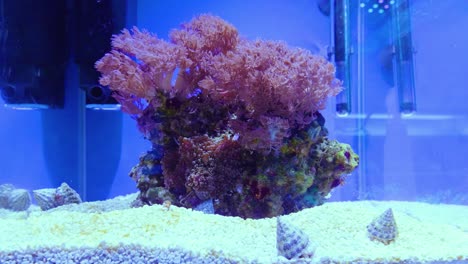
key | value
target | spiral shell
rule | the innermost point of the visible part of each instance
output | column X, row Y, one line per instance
column 45, row 198
column 14, row 199
column 64, row 194
column 383, row 228
column 5, row 191
column 291, row 242
column 50, row 198
column 19, row 200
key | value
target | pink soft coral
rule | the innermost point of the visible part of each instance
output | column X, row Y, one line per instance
column 268, row 85
column 272, row 79
column 140, row 64
column 230, row 120
column 205, row 34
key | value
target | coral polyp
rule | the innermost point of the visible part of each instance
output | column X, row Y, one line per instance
column 232, row 122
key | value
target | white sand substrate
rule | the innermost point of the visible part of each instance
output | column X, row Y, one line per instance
column 110, row 232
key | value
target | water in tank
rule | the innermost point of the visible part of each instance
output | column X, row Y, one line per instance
column 309, row 131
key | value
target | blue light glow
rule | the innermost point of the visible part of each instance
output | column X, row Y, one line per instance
column 362, row 5
column 375, row 5
column 381, row 11
column 370, row 10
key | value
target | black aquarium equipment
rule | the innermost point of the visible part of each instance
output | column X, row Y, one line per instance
column 33, row 53
column 342, row 53
column 97, row 21
column 404, row 59
column 340, row 50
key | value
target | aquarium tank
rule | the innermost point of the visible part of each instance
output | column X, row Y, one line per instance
column 308, row 131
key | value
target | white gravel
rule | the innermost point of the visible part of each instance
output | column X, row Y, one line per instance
column 110, row 232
